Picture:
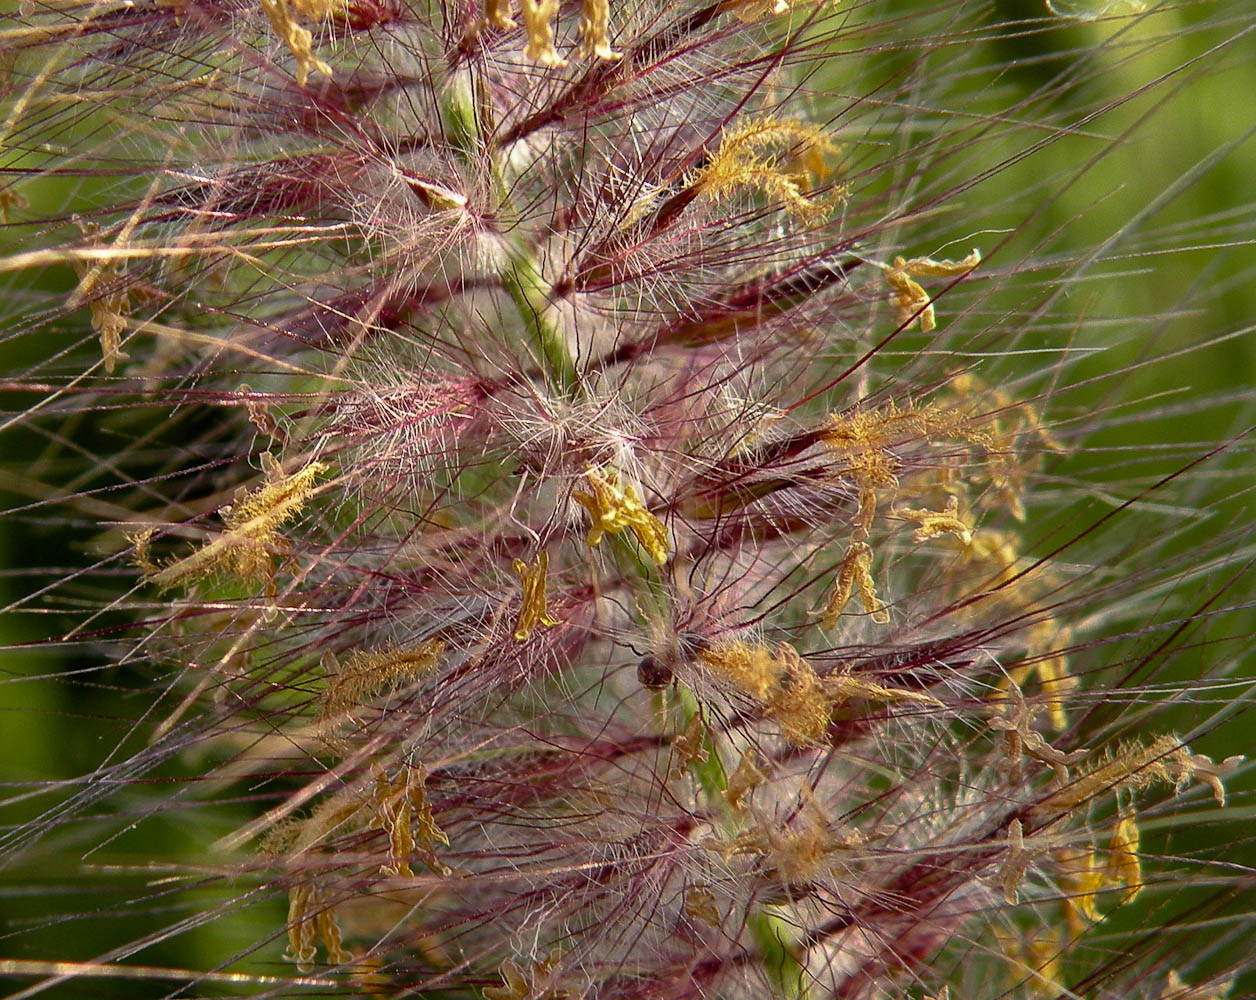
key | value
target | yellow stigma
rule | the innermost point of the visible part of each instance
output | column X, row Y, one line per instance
column 246, row 549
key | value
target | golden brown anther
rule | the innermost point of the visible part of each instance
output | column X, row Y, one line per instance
column 910, row 299
column 935, row 523
column 532, row 612
column 855, row 574
column 616, row 506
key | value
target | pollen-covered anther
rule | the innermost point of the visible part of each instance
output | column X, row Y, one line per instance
column 862, row 443
column 689, row 748
column 745, row 779
column 1081, row 880
column 1051, row 668
column 855, row 573
column 935, row 523
column 282, row 16
column 1175, row 988
column 594, row 25
column 310, row 919
column 615, row 506
column 538, row 982
column 1021, row 740
column 1083, row 876
column 498, row 12
column 909, row 298
column 700, row 905
column 538, row 25
column 532, row 612
column 1123, row 866
column 402, row 811
column 109, row 307
column 749, row 11
column 746, row 666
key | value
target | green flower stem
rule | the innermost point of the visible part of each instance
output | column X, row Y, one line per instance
column 521, row 275
column 772, row 933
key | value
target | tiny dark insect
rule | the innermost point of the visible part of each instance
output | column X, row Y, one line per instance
column 653, row 673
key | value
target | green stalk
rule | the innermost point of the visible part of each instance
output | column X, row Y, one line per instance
column 521, row 275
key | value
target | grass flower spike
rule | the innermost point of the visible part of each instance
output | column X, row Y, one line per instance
column 538, row 501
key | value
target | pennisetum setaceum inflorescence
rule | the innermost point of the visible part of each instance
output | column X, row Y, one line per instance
column 606, row 501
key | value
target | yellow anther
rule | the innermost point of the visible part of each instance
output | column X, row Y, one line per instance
column 1177, row 989
column 498, row 13
column 594, row 25
column 1081, row 879
column 855, row 574
column 1016, row 863
column 298, row 39
column 310, row 919
column 748, row 11
column 1123, row 866
column 911, row 300
column 538, row 17
column 1021, row 740
column 700, row 905
column 935, row 523
column 532, row 613
column 616, row 506
column 743, row 780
